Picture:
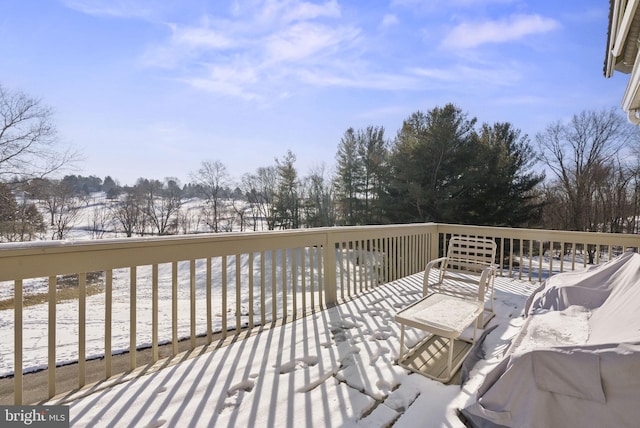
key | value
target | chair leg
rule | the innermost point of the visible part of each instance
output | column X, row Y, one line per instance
column 450, row 361
column 401, row 344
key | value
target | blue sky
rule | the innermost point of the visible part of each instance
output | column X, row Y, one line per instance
column 148, row 88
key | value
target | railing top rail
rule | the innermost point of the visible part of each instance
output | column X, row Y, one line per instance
column 41, row 259
column 180, row 239
column 45, row 258
column 541, row 234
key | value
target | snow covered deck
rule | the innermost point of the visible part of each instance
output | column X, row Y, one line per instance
column 332, row 368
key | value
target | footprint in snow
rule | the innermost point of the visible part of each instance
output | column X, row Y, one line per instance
column 235, row 394
column 303, row 362
column 377, row 354
column 353, row 317
column 343, row 324
column 380, row 335
column 384, row 386
column 246, row 386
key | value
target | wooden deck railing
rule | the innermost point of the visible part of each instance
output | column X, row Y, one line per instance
column 279, row 275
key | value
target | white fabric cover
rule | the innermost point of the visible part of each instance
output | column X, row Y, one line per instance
column 576, row 360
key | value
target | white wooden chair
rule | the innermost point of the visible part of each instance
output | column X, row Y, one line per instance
column 467, row 271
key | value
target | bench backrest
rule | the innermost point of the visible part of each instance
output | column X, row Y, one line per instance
column 468, row 255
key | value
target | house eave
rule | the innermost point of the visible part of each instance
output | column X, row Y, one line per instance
column 623, row 42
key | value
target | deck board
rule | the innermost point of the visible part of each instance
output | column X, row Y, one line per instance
column 430, row 357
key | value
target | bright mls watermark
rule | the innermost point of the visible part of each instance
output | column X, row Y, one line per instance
column 34, row 416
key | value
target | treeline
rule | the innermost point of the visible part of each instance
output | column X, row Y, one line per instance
column 441, row 166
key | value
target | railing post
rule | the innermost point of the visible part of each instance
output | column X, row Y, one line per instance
column 329, row 258
column 434, row 252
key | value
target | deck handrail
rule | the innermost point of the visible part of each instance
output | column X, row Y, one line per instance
column 324, row 265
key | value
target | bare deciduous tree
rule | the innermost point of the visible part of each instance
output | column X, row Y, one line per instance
column 100, row 221
column 212, row 179
column 128, row 212
column 188, row 219
column 580, row 154
column 63, row 207
column 29, row 146
column 317, row 192
column 260, row 190
column 20, row 219
column 163, row 202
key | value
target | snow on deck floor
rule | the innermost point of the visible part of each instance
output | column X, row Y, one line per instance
column 334, row 368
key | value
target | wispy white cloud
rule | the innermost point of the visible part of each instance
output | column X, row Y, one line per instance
column 305, row 11
column 525, row 100
column 439, row 4
column 284, row 11
column 117, row 8
column 364, row 79
column 303, row 41
column 389, row 20
column 466, row 76
column 200, row 38
column 260, row 51
column 226, row 81
column 516, row 27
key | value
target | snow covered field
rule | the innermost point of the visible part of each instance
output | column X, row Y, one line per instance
column 36, row 317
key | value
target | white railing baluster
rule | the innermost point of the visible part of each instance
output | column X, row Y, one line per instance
column 132, row 317
column 347, row 247
column 174, row 308
column 396, row 259
column 223, row 309
column 521, row 262
column 541, row 256
column 274, row 293
column 251, row 294
column 108, row 313
column 154, row 312
column 312, row 256
column 17, row 343
column 323, row 265
column 192, row 301
column 294, row 281
column 53, row 282
column 303, row 284
column 82, row 329
column 365, row 265
column 263, row 286
column 283, row 277
column 359, row 259
column 238, row 296
column 208, row 287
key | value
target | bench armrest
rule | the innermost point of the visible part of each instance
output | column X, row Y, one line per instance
column 425, row 281
column 486, row 276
